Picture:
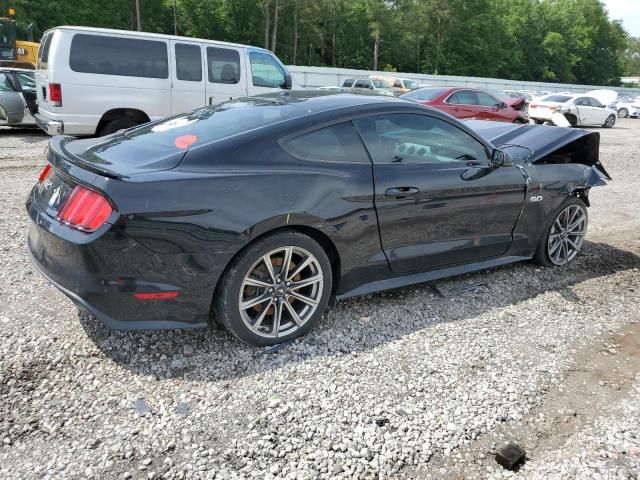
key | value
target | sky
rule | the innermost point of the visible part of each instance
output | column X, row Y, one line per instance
column 628, row 11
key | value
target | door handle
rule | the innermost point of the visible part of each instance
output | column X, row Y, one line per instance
column 210, row 100
column 401, row 192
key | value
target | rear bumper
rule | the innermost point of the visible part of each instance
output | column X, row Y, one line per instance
column 108, row 321
column 51, row 127
column 102, row 277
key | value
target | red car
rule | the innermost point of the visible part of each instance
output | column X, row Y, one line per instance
column 466, row 103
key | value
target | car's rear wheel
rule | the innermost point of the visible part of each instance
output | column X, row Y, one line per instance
column 117, row 124
column 275, row 290
column 564, row 234
column 610, row 122
column 623, row 113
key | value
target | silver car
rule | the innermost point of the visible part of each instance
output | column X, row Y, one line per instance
column 17, row 97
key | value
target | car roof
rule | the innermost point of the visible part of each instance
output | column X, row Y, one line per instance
column 161, row 36
column 13, row 69
column 327, row 100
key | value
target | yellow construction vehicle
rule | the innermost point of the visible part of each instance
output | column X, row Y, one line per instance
column 13, row 52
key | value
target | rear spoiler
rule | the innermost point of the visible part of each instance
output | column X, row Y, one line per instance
column 59, row 157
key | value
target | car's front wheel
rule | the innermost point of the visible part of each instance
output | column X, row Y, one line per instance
column 275, row 290
column 563, row 234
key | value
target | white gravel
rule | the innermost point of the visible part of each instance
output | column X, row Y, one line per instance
column 387, row 385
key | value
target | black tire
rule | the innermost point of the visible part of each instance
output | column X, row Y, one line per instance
column 623, row 113
column 541, row 256
column 115, row 125
column 610, row 122
column 227, row 299
column 572, row 119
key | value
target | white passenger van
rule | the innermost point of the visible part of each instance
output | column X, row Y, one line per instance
column 93, row 81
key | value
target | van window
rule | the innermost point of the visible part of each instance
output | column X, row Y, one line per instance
column 119, row 56
column 266, row 72
column 43, row 53
column 188, row 62
column 223, row 65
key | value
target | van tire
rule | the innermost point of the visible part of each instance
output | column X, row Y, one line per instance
column 117, row 124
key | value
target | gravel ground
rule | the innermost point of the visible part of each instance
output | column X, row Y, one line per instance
column 425, row 381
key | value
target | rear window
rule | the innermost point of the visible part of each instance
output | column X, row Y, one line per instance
column 556, row 98
column 216, row 123
column 127, row 57
column 43, row 53
column 424, row 93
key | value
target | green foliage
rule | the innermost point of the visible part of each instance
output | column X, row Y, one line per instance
column 543, row 40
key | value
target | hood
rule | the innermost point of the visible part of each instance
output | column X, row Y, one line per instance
column 539, row 143
column 603, row 96
column 516, row 103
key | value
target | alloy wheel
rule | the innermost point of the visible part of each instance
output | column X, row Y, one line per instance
column 567, row 234
column 281, row 292
column 611, row 120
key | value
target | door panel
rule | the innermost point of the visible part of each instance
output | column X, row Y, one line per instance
column 449, row 220
column 187, row 77
column 226, row 77
column 438, row 200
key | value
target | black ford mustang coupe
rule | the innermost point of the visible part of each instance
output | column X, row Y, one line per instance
column 261, row 211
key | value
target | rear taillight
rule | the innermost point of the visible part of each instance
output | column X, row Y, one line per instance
column 84, row 210
column 55, row 94
column 45, row 173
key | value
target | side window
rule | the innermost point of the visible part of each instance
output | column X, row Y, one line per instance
column 486, row 100
column 412, row 138
column 43, row 52
column 5, row 83
column 122, row 56
column 453, row 99
column 594, row 102
column 266, row 72
column 223, row 65
column 581, row 102
column 27, row 81
column 467, row 97
column 397, row 84
column 188, row 62
column 348, row 82
column 337, row 143
column 362, row 84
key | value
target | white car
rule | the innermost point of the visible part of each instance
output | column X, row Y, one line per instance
column 93, row 81
column 541, row 109
column 627, row 107
column 575, row 111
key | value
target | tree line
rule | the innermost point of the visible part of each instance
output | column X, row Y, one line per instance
column 568, row 41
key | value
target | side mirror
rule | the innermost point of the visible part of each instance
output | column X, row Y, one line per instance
column 288, row 82
column 500, row 158
column 370, row 87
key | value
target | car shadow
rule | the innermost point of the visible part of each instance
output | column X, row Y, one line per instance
column 355, row 325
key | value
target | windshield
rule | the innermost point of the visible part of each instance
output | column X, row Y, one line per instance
column 7, row 33
column 380, row 84
column 425, row 93
column 556, row 98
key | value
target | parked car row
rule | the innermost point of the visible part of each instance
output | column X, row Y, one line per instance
column 469, row 103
